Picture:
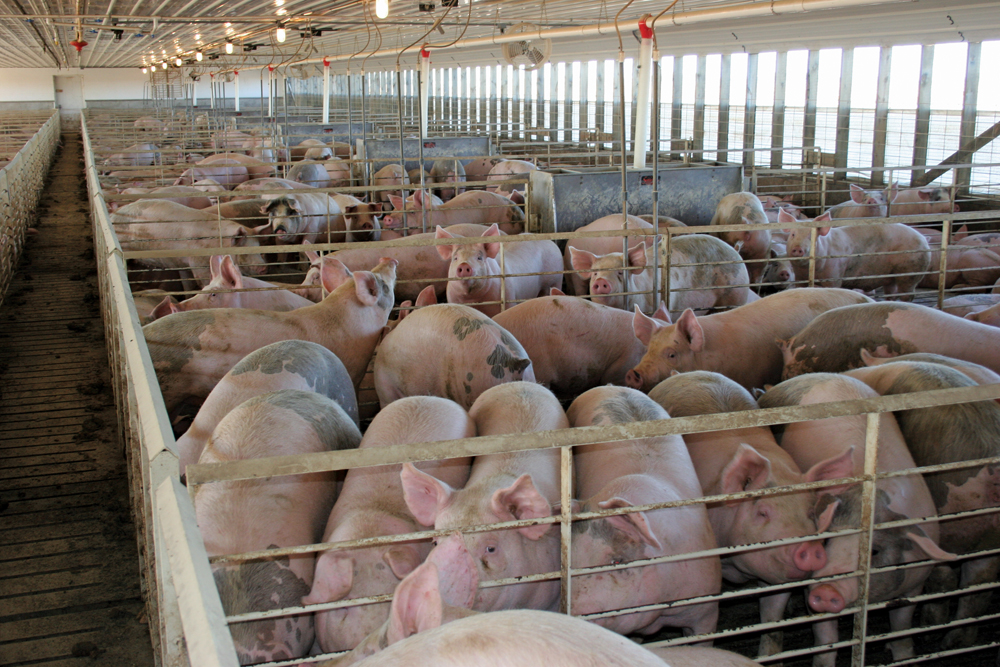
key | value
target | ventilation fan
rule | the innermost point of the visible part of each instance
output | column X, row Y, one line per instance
column 303, row 71
column 194, row 76
column 530, row 54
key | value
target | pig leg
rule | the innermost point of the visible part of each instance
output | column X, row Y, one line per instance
column 976, row 571
column 825, row 632
column 707, row 622
column 772, row 608
column 901, row 618
column 942, row 578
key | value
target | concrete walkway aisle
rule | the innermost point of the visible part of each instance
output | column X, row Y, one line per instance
column 69, row 572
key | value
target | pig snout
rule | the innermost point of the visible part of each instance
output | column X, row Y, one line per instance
column 458, row 578
column 809, row 556
column 464, row 270
column 826, row 598
column 796, row 251
column 784, row 275
column 600, row 286
column 634, row 379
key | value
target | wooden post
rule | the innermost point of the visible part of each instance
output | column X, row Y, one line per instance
column 568, row 103
column 617, row 112
column 724, row 85
column 750, row 112
column 585, row 95
column 553, row 107
column 812, row 90
column 599, row 110
column 963, row 176
column 923, row 124
column 844, row 108
column 881, row 116
column 778, row 115
column 676, row 107
column 699, row 109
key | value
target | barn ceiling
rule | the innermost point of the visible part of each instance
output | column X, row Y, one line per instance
column 127, row 33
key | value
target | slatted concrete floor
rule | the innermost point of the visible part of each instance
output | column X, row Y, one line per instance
column 69, row 574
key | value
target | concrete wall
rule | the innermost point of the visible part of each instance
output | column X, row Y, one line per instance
column 36, row 84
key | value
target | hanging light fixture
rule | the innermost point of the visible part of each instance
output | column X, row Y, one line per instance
column 198, row 56
column 229, row 46
column 178, row 62
column 279, row 34
column 143, row 70
column 381, row 8
column 164, row 63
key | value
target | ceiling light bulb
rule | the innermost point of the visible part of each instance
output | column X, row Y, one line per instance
column 280, row 34
column 143, row 70
column 164, row 63
column 229, row 47
column 178, row 62
column 381, row 8
column 197, row 56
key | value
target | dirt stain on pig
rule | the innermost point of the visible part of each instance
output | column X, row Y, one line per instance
column 501, row 359
column 327, row 421
column 174, row 339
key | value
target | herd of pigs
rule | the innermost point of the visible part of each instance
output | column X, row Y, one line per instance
column 275, row 372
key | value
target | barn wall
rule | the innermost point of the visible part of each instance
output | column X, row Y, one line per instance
column 33, row 88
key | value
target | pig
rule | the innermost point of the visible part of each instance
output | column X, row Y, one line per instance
column 481, row 208
column 989, row 316
column 477, row 354
column 476, row 274
column 574, row 344
column 832, row 343
column 950, row 434
column 247, row 212
column 501, row 487
column 371, row 505
column 361, row 219
column 514, row 173
column 228, row 173
column 601, row 246
column 305, row 217
column 975, row 372
column 774, row 205
column 905, row 497
column 148, row 124
column 273, row 512
column 708, row 343
column 705, row 273
column 639, row 472
column 136, row 155
column 478, row 170
column 318, row 153
column 448, row 171
column 255, row 168
column 391, row 174
column 219, row 293
column 415, row 176
column 749, row 459
column 862, row 204
column 313, row 174
column 146, row 301
column 190, row 196
column 961, row 306
column 922, row 201
column 966, row 266
column 298, row 152
column 192, row 351
column 341, row 173
column 271, row 184
column 164, row 225
column 897, row 273
column 289, row 364
column 743, row 208
column 229, row 140
column 779, row 273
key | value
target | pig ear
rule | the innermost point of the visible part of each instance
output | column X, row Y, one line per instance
column 857, row 194
column 427, row 297
column 635, row 525
column 555, row 291
column 785, row 216
column 688, row 326
column 825, row 518
column 445, row 251
column 166, row 307
column 521, row 500
column 215, row 265
column 402, row 559
column 404, row 308
column 492, row 249
column 925, row 194
column 335, row 580
column 748, row 471
column 517, row 197
column 333, row 273
column 416, row 604
column 637, row 257
column 661, row 313
column 396, row 201
column 231, row 273
column 366, row 287
column 644, row 327
column 833, row 468
column 420, row 198
column 582, row 261
column 240, row 237
column 424, row 494
column 927, row 545
column 311, row 255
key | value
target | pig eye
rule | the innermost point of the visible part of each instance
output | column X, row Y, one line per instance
column 491, row 549
column 761, row 511
column 617, row 561
column 673, row 355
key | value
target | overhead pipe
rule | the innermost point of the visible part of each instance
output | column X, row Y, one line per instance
column 642, row 103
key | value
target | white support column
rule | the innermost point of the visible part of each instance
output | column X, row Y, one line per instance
column 194, row 93
column 326, row 90
column 425, row 75
column 645, row 64
column 211, row 88
column 270, row 91
column 236, row 90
